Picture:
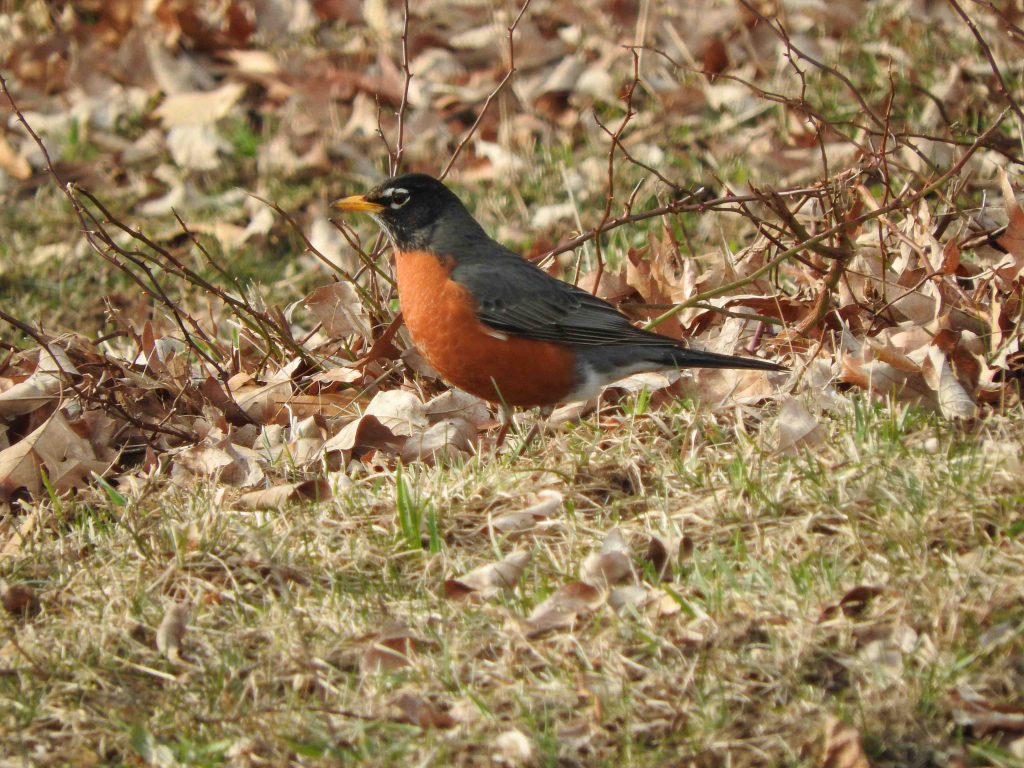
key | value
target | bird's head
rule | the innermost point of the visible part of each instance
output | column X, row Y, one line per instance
column 413, row 209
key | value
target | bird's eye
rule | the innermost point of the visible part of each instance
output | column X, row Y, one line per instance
column 399, row 197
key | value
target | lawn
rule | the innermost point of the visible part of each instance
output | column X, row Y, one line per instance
column 242, row 522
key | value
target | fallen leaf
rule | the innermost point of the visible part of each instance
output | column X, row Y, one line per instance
column 798, row 429
column 975, row 711
column 199, row 107
column 18, row 599
column 339, row 310
column 548, row 504
column 629, row 597
column 488, row 580
column 456, row 404
column 37, row 390
column 443, row 440
column 418, row 711
column 954, row 402
column 609, row 566
column 842, row 746
column 513, row 748
column 664, row 552
column 171, row 632
column 364, row 433
column 281, row 495
column 263, row 403
column 235, row 465
column 399, row 410
column 69, row 459
column 12, row 163
column 1013, row 238
column 853, row 603
column 563, row 608
column 392, row 648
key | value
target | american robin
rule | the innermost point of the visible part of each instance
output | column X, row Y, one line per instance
column 496, row 325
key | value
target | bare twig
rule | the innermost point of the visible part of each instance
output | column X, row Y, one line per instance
column 987, row 52
column 395, row 159
column 616, row 143
column 901, row 202
column 511, row 30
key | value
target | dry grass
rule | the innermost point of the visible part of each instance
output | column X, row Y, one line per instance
column 873, row 574
column 742, row 663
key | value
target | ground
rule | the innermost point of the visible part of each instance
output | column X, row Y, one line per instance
column 241, row 522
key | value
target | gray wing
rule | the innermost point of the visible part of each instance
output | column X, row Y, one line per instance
column 521, row 299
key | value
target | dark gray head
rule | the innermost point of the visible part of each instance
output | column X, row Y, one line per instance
column 415, row 211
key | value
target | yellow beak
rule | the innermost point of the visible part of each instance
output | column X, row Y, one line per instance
column 357, row 203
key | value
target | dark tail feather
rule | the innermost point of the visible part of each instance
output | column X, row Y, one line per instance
column 693, row 358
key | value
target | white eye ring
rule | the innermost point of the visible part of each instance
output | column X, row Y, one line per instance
column 398, row 197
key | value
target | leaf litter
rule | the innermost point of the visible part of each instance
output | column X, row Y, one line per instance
column 284, row 422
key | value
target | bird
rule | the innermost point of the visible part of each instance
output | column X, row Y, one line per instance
column 495, row 324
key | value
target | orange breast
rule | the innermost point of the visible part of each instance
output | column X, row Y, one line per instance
column 441, row 317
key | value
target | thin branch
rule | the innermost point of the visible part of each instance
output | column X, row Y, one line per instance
column 616, row 143
column 395, row 159
column 987, row 51
column 898, row 204
column 511, row 30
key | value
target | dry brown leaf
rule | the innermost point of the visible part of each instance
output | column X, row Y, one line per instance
column 609, row 566
column 883, row 348
column 421, row 712
column 665, row 551
column 490, row 579
column 513, row 748
column 954, row 401
column 798, row 429
column 400, row 411
column 882, row 378
column 563, row 608
column 614, row 286
column 13, row 543
column 547, row 505
column 263, row 404
column 196, row 147
column 199, row 107
column 1013, row 238
column 853, row 603
column 365, row 433
column 649, row 280
column 982, row 716
column 171, row 632
column 227, row 462
column 299, row 446
column 441, row 441
column 11, row 163
column 281, row 495
column 842, row 746
column 723, row 388
column 214, row 392
column 456, row 404
column 69, row 459
column 18, row 599
column 339, row 310
column 392, row 648
column 37, row 390
column 630, row 597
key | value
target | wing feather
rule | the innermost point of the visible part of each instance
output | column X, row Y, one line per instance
column 521, row 299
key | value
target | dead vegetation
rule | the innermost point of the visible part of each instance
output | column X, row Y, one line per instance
column 243, row 523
